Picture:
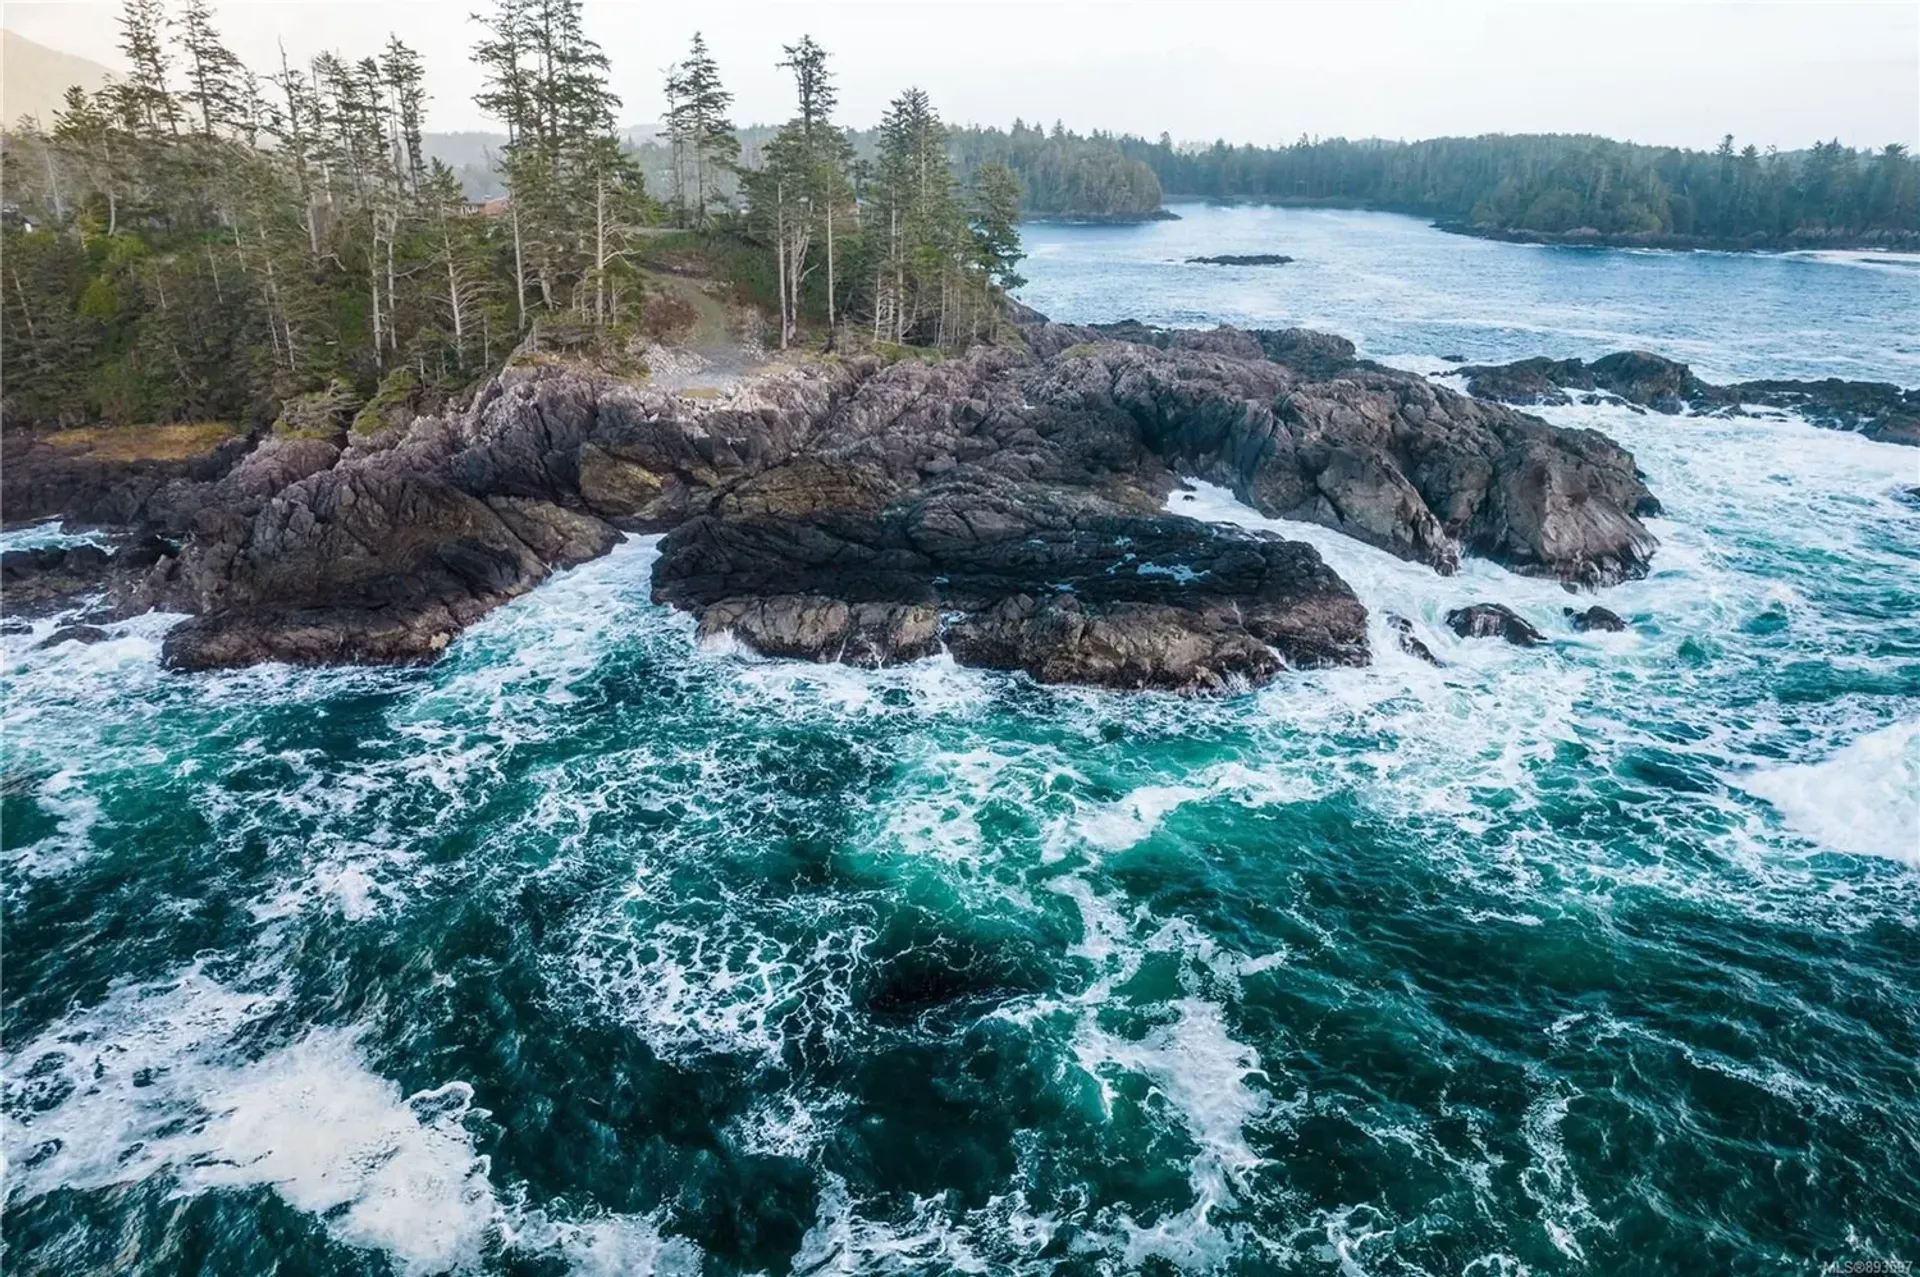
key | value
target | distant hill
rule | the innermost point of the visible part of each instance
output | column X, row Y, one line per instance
column 33, row 78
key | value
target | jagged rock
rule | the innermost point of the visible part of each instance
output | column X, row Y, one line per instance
column 815, row 628
column 1068, row 585
column 1493, row 620
column 1595, row 618
column 1876, row 409
column 1408, row 641
column 1384, row 456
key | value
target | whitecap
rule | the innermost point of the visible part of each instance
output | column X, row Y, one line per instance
column 1864, row 800
column 154, row 1081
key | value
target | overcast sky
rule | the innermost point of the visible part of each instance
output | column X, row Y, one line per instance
column 1674, row 73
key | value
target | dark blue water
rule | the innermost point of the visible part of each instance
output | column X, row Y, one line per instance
column 587, row 950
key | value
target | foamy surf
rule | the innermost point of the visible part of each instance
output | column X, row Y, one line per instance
column 1865, row 799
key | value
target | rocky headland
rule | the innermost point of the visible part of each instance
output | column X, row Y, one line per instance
column 1007, row 505
column 1878, row 410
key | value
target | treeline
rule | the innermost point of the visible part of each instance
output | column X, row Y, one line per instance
column 1061, row 174
column 199, row 241
column 1555, row 184
column 888, row 242
column 1064, row 174
column 202, row 241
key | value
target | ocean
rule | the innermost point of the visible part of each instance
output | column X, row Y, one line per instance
column 591, row 950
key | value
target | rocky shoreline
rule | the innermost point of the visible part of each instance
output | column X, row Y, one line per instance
column 1878, row 410
column 1007, row 505
column 1588, row 237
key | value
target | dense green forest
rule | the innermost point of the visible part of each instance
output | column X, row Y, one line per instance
column 1554, row 184
column 199, row 241
column 1061, row 174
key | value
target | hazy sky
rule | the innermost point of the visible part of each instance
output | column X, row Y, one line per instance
column 1681, row 73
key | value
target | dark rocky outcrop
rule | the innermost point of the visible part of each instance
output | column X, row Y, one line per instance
column 1241, row 259
column 51, row 579
column 1594, row 618
column 1493, row 620
column 1007, row 505
column 1877, row 410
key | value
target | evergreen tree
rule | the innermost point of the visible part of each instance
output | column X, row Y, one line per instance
column 996, row 223
column 699, row 132
column 144, row 97
column 797, row 195
column 213, row 73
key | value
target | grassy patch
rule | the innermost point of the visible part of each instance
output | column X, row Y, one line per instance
column 699, row 392
column 894, row 352
column 1076, row 352
column 145, row 443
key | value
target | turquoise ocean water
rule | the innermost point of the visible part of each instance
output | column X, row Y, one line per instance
column 588, row 950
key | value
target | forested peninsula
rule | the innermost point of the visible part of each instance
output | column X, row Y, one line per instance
column 1575, row 188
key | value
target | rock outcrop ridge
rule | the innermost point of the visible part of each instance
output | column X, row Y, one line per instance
column 1007, row 505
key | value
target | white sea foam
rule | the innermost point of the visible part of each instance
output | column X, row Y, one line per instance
column 1865, row 799
column 155, row 1080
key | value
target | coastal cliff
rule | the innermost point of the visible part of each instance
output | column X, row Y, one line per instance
column 1008, row 505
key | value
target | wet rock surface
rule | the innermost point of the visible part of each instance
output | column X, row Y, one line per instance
column 1878, row 410
column 1408, row 641
column 1595, row 618
column 1007, row 505
column 1494, row 620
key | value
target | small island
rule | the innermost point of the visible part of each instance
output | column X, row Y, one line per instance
column 1241, row 259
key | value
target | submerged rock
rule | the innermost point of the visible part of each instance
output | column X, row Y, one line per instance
column 1493, row 620
column 1595, row 618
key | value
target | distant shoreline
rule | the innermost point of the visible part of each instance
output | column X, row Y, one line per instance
column 1589, row 238
column 1162, row 214
column 1586, row 237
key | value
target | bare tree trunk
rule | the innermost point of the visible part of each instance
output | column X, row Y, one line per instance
column 453, row 293
column 26, row 312
column 830, row 318
column 373, row 283
column 53, row 181
column 393, row 279
column 600, row 252
column 273, row 298
column 779, row 256
column 519, row 270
